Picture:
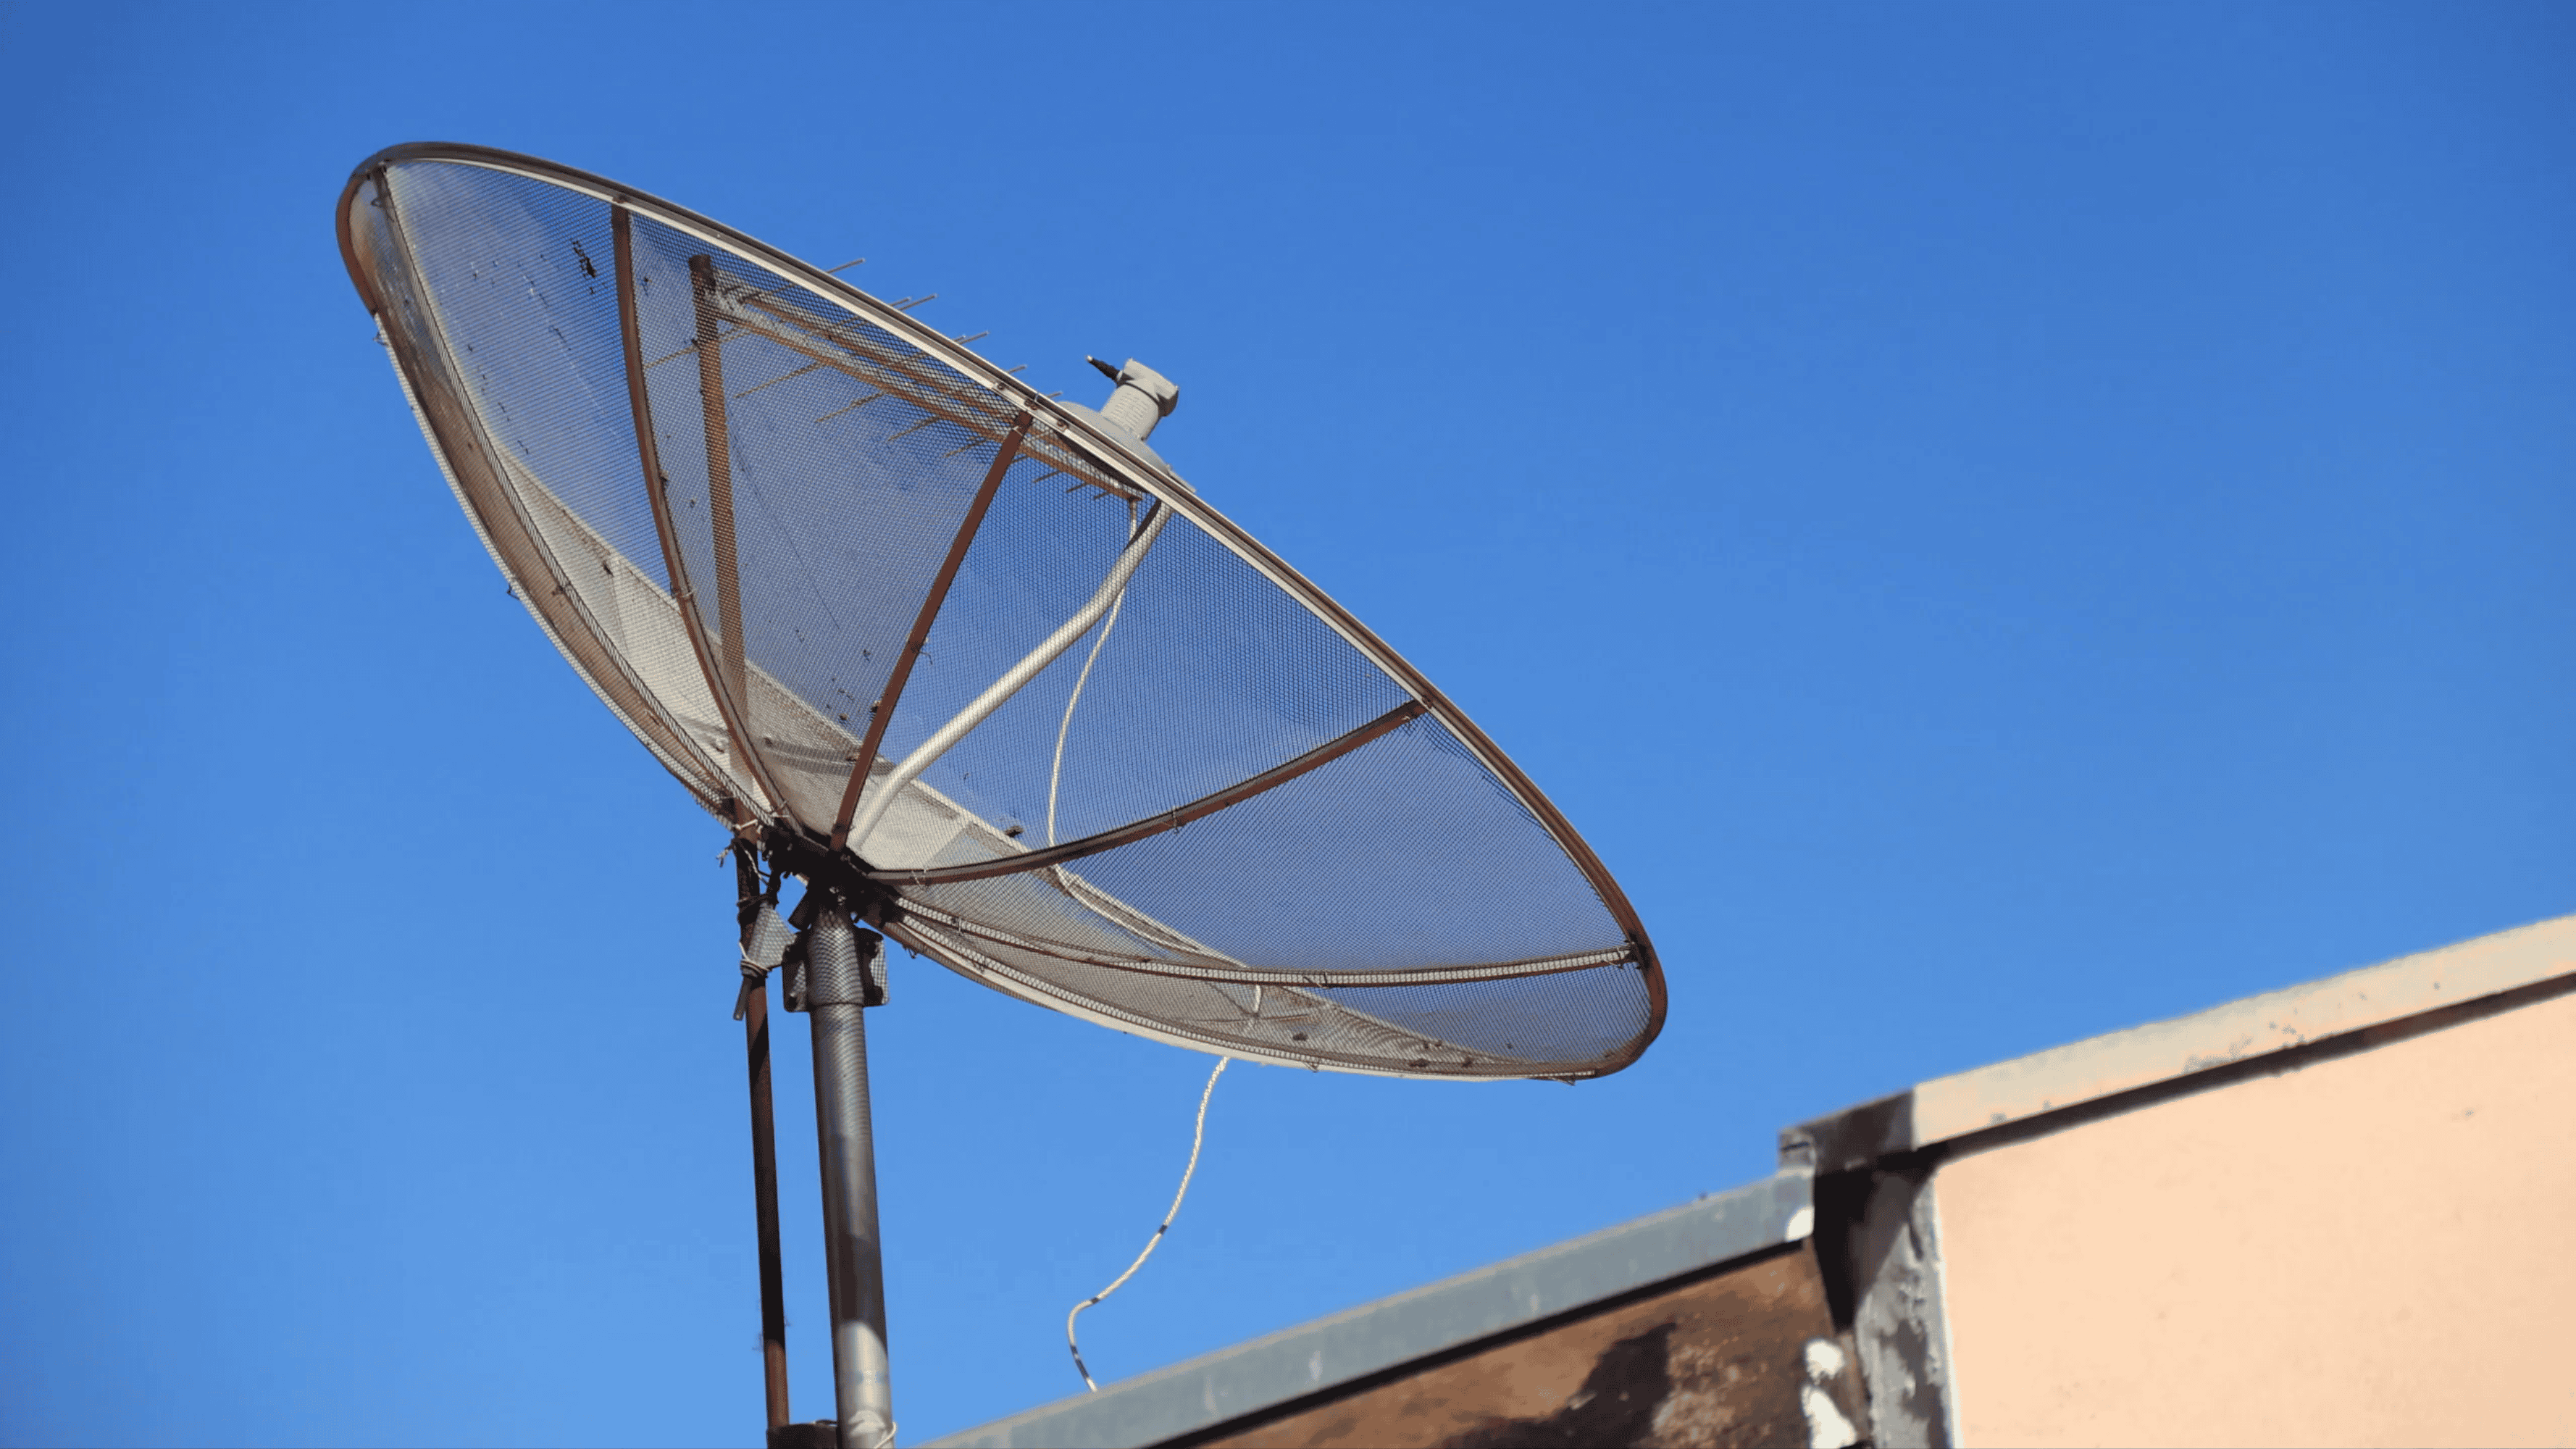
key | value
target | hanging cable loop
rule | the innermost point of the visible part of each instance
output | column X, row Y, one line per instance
column 1198, row 1135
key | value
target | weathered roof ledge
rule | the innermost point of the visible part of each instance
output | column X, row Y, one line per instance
column 2171, row 1053
column 2040, row 1093
column 1361, row 1341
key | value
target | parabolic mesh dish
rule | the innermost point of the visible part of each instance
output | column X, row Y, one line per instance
column 1224, row 815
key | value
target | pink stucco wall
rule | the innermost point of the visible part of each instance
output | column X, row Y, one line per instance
column 2373, row 1249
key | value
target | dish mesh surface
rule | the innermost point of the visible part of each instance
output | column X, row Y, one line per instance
column 1223, row 815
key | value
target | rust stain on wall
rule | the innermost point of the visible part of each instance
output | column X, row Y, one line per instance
column 1720, row 1361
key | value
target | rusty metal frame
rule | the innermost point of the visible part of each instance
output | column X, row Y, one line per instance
column 478, row 443
column 1067, row 430
column 1235, row 973
column 733, row 661
column 928, row 395
column 923, row 934
column 775, row 324
column 882, row 713
column 1172, row 819
column 630, row 328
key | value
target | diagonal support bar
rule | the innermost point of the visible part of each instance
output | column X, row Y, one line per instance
column 1172, row 819
column 630, row 327
column 1015, row 678
column 883, row 711
column 711, row 403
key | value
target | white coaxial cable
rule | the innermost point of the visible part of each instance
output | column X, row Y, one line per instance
column 999, row 692
column 1198, row 1135
column 1055, row 774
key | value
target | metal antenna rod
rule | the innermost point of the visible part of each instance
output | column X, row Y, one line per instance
column 764, row 1146
column 837, row 981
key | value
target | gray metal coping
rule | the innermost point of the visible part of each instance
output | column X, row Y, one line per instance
column 1357, row 1342
column 2171, row 1052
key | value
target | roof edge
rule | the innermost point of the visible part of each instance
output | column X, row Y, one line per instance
column 2086, row 1072
column 1295, row 1362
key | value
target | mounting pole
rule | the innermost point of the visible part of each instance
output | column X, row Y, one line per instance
column 753, row 1008
column 842, row 976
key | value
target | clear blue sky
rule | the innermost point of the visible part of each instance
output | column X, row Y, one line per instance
column 1999, row 524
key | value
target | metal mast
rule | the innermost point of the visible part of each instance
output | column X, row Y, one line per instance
column 843, row 970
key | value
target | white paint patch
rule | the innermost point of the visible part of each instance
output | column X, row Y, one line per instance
column 1801, row 1224
column 1826, row 1426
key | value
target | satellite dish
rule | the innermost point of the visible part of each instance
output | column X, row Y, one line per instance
column 975, row 665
